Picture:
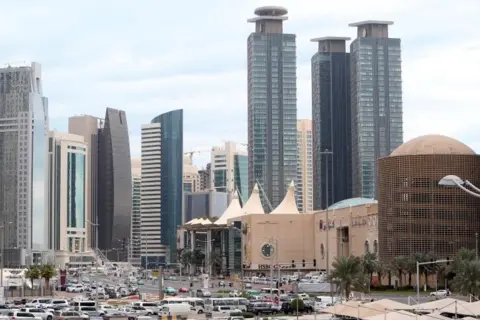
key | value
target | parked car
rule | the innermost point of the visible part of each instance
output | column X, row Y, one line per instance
column 78, row 288
column 19, row 315
column 39, row 313
column 69, row 315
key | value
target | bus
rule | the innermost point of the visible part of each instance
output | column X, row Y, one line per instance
column 211, row 304
column 196, row 303
column 274, row 291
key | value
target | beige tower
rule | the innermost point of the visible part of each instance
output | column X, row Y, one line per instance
column 304, row 187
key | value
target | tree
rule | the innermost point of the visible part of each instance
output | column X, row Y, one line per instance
column 425, row 269
column 297, row 304
column 466, row 278
column 32, row 273
column 216, row 260
column 47, row 272
column 347, row 274
column 369, row 263
column 398, row 266
column 186, row 258
column 380, row 269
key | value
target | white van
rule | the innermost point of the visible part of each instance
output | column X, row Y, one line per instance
column 150, row 306
column 178, row 309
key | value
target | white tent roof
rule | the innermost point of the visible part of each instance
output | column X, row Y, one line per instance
column 234, row 210
column 435, row 304
column 205, row 222
column 193, row 221
column 388, row 304
column 394, row 315
column 253, row 204
column 463, row 308
column 288, row 204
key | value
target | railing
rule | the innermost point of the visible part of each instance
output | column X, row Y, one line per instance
column 411, row 299
column 102, row 259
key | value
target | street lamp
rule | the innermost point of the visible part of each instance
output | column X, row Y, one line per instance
column 326, row 153
column 452, row 181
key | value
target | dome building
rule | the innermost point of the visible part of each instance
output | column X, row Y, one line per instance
column 416, row 214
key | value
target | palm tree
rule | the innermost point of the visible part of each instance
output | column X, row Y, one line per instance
column 32, row 273
column 410, row 268
column 47, row 272
column 466, row 278
column 380, row 269
column 216, row 260
column 369, row 263
column 451, row 269
column 186, row 258
column 347, row 274
column 398, row 266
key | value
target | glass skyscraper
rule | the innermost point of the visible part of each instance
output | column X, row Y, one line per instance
column 272, row 106
column 240, row 175
column 171, row 178
column 376, row 97
column 23, row 165
column 331, row 122
column 114, row 184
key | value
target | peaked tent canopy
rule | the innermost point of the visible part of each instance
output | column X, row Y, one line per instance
column 253, row 204
column 288, row 204
column 234, row 210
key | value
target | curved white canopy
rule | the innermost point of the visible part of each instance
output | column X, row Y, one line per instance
column 253, row 204
column 234, row 210
column 288, row 204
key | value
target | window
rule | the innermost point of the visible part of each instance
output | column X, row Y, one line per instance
column 367, row 247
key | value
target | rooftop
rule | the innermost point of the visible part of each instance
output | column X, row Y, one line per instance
column 432, row 144
column 368, row 22
column 288, row 204
column 352, row 202
column 275, row 11
column 329, row 38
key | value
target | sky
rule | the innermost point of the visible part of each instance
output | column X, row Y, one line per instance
column 149, row 57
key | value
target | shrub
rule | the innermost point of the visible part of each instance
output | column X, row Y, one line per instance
column 300, row 304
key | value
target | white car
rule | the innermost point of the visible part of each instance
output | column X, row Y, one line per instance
column 76, row 288
column 19, row 315
column 45, row 315
column 440, row 293
column 234, row 293
column 39, row 303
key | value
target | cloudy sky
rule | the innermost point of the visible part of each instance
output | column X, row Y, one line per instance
column 149, row 56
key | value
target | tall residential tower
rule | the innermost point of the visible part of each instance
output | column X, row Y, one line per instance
column 331, row 122
column 376, row 97
column 23, row 164
column 272, row 106
column 304, row 186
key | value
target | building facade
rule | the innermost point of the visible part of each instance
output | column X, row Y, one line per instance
column 226, row 162
column 88, row 126
column 68, row 199
column 191, row 177
column 135, row 245
column 202, row 204
column 416, row 214
column 331, row 122
column 304, row 186
column 152, row 250
column 240, row 175
column 376, row 98
column 171, row 179
column 23, row 162
column 272, row 106
column 205, row 178
column 114, row 185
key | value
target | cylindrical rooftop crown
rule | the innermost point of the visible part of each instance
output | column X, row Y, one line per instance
column 274, row 11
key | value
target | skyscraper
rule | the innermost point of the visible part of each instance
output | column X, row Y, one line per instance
column 304, row 186
column 272, row 106
column 226, row 163
column 152, row 250
column 68, row 178
column 114, row 185
column 23, row 163
column 205, row 180
column 331, row 122
column 88, row 127
column 136, row 224
column 162, row 178
column 376, row 97
column 191, row 176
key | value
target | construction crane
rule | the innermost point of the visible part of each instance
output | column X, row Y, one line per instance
column 191, row 153
column 239, row 143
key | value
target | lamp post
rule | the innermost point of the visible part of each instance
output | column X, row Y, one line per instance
column 452, row 181
column 326, row 153
column 418, row 273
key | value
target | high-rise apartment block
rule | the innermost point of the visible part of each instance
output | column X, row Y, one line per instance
column 272, row 106
column 135, row 245
column 376, row 98
column 205, row 179
column 191, row 177
column 162, row 187
column 68, row 179
column 229, row 170
column 331, row 122
column 304, row 186
column 87, row 126
column 23, row 164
